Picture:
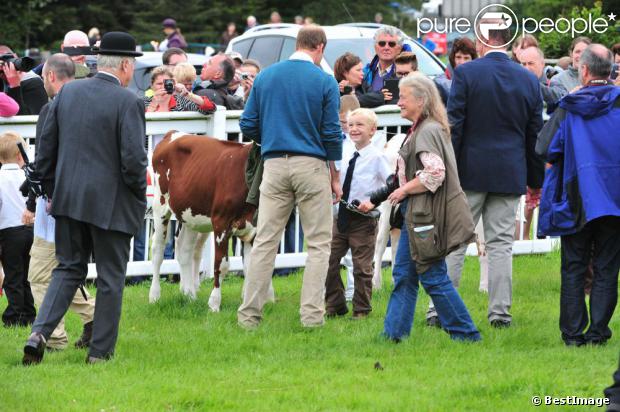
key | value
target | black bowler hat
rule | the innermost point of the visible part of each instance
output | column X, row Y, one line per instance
column 117, row 43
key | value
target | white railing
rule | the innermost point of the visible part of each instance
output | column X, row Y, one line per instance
column 222, row 124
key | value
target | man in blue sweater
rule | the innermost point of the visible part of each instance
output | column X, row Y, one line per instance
column 292, row 112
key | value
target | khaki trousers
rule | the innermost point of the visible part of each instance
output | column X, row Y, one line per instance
column 42, row 262
column 287, row 181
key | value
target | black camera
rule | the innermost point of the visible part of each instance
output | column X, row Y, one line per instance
column 380, row 195
column 22, row 64
column 169, row 85
column 245, row 76
column 551, row 72
column 347, row 89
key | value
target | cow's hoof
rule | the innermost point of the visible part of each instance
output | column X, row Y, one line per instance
column 215, row 300
column 154, row 296
column 271, row 294
column 377, row 283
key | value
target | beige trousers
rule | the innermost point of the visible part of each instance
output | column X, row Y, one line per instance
column 287, row 181
column 42, row 262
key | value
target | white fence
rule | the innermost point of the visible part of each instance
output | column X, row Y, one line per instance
column 224, row 125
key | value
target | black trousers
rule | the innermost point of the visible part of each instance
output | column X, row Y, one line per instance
column 15, row 243
column 613, row 392
column 599, row 240
column 75, row 242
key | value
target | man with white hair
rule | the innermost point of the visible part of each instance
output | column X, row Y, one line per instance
column 581, row 144
column 76, row 45
column 57, row 71
column 251, row 23
column 388, row 44
column 82, row 151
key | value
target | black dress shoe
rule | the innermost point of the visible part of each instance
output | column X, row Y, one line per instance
column 500, row 324
column 574, row 343
column 87, row 334
column 433, row 322
column 34, row 349
column 333, row 314
column 91, row 360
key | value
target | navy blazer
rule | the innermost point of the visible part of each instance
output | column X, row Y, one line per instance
column 495, row 112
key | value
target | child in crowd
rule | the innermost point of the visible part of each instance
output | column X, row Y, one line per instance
column 363, row 170
column 15, row 234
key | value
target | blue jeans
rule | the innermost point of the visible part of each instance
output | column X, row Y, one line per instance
column 451, row 310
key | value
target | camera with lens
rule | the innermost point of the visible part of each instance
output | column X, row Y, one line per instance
column 245, row 76
column 22, row 64
column 380, row 195
column 169, row 85
column 551, row 72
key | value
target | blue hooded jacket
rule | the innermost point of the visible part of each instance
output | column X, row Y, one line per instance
column 371, row 68
column 583, row 182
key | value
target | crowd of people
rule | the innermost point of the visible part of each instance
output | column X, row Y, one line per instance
column 478, row 142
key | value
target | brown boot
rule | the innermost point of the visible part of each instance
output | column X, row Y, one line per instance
column 87, row 334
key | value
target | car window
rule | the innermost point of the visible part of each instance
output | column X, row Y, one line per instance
column 364, row 48
column 288, row 48
column 243, row 47
column 266, row 50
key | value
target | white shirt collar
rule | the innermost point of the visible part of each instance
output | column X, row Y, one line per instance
column 300, row 55
column 10, row 166
column 366, row 150
column 384, row 72
column 111, row 75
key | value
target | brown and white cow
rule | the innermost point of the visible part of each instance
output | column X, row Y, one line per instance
column 202, row 181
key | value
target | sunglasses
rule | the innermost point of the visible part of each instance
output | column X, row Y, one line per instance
column 382, row 43
column 402, row 74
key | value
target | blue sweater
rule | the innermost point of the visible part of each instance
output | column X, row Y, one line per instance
column 293, row 108
column 582, row 183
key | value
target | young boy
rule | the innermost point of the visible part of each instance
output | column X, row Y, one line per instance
column 363, row 170
column 15, row 236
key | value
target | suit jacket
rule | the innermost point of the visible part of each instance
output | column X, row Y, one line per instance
column 495, row 111
column 30, row 95
column 92, row 158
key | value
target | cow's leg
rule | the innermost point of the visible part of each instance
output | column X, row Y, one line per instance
column 383, row 231
column 247, row 251
column 185, row 255
column 161, row 218
column 200, row 243
column 394, row 239
column 220, row 269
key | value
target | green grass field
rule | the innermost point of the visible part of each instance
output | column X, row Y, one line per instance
column 177, row 356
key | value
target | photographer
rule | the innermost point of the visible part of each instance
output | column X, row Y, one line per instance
column 184, row 75
column 349, row 74
column 249, row 70
column 170, row 96
column 21, row 83
column 436, row 215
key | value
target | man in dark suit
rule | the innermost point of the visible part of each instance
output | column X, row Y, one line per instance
column 92, row 164
column 495, row 109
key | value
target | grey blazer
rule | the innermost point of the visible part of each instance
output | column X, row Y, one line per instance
column 92, row 158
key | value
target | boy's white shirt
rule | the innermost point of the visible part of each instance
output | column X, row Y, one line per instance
column 371, row 171
column 12, row 203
